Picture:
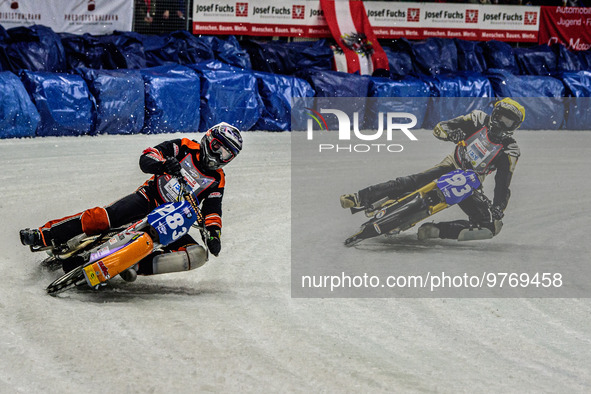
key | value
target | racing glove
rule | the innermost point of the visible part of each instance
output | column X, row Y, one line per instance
column 213, row 242
column 443, row 132
column 496, row 212
column 172, row 166
column 455, row 135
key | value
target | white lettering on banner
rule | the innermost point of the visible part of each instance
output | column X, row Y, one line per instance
column 205, row 27
column 257, row 29
column 67, row 16
column 493, row 35
column 569, row 22
column 573, row 10
column 578, row 45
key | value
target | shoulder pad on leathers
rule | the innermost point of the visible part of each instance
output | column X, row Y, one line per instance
column 477, row 117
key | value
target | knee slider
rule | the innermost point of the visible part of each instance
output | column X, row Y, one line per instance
column 193, row 257
column 94, row 221
column 498, row 226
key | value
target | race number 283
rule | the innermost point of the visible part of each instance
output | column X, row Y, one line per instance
column 173, row 222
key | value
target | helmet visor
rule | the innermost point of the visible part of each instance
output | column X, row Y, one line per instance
column 218, row 149
column 505, row 121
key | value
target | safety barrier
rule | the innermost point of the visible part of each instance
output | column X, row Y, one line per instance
column 127, row 83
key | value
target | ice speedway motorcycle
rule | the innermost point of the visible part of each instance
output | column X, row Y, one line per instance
column 107, row 255
column 390, row 217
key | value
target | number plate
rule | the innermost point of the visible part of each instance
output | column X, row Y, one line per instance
column 171, row 221
column 457, row 185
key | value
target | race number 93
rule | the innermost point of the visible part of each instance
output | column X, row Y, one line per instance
column 458, row 185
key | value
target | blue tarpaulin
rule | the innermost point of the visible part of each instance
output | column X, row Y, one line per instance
column 539, row 60
column 119, row 97
column 36, row 48
column 541, row 97
column 406, row 95
column 578, row 102
column 585, row 57
column 172, row 99
column 229, row 51
column 436, row 56
column 130, row 45
column 63, row 101
column 230, row 91
column 228, row 94
column 499, row 55
column 470, row 56
column 336, row 84
column 455, row 95
column 400, row 61
column 180, row 47
column 18, row 115
column 277, row 92
column 88, row 51
column 5, row 63
column 288, row 58
column 567, row 60
column 465, row 84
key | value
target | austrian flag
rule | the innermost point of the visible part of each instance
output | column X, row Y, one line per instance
column 358, row 49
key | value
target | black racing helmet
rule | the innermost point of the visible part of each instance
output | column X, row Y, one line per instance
column 220, row 145
column 506, row 117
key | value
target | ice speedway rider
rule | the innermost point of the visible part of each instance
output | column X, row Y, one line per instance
column 201, row 166
column 485, row 143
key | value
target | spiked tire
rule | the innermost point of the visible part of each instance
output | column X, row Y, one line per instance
column 67, row 281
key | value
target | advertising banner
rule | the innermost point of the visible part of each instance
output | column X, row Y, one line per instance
column 570, row 26
column 300, row 18
column 67, row 16
column 260, row 18
column 464, row 21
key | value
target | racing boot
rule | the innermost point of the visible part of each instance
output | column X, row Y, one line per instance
column 350, row 201
column 31, row 237
column 427, row 231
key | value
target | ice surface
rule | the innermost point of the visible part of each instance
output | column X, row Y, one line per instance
column 232, row 325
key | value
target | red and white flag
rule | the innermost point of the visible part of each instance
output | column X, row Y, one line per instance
column 359, row 51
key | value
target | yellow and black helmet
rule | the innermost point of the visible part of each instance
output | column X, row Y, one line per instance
column 506, row 117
